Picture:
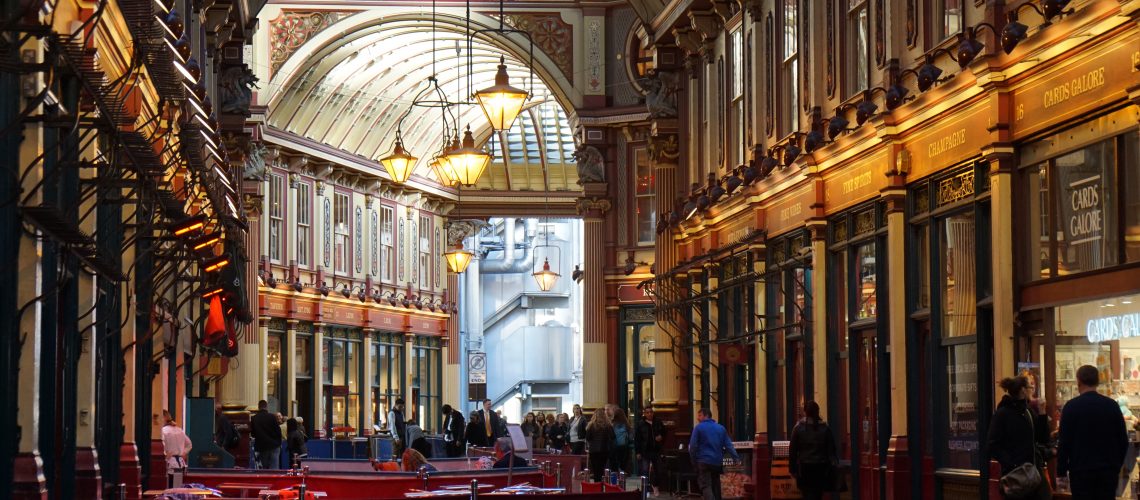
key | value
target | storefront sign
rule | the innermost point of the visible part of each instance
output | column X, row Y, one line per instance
column 790, row 212
column 1084, row 216
column 1113, row 327
column 955, row 139
column 631, row 294
column 1098, row 79
column 855, row 183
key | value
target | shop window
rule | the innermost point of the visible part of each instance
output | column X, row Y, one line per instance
column 858, row 44
column 1102, row 333
column 1074, row 203
column 302, row 366
column 387, row 243
column 342, row 228
column 304, row 223
column 961, row 450
column 791, row 66
column 276, row 217
column 275, row 376
column 341, row 387
column 947, row 19
column 302, row 357
column 644, row 199
column 428, row 369
column 867, row 291
column 789, row 310
column 387, row 374
column 959, row 282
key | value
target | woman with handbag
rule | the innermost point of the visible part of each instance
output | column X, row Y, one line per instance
column 812, row 455
column 1019, row 430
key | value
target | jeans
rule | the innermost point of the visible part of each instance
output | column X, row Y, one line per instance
column 647, row 465
column 1094, row 484
column 267, row 459
column 597, row 461
column 708, row 477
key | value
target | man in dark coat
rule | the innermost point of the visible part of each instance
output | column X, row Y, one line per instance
column 492, row 424
column 397, row 424
column 647, row 442
column 453, row 429
column 1093, row 440
column 266, row 436
column 505, row 455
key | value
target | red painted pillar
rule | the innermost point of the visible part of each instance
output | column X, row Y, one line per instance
column 898, row 468
column 130, row 473
column 157, row 479
column 88, row 481
column 762, row 467
column 28, row 477
column 995, row 479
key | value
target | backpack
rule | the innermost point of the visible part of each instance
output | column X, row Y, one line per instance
column 621, row 435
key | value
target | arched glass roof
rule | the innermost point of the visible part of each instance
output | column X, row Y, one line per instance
column 351, row 94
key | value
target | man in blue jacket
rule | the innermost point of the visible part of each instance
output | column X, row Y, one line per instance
column 1093, row 440
column 707, row 448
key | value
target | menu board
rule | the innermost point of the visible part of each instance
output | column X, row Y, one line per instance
column 962, row 432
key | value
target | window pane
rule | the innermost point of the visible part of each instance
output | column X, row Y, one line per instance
column 352, row 368
column 858, row 43
column 325, row 367
column 922, row 246
column 383, row 377
column 951, row 18
column 865, row 260
column 1037, row 217
column 644, row 192
column 959, row 285
column 336, row 362
column 273, row 389
column 1132, row 196
column 374, row 362
column 301, row 358
column 1086, row 185
column 791, row 17
column 646, row 346
column 962, row 425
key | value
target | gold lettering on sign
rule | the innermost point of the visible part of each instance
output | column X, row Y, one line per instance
column 858, row 182
column 946, row 143
column 1084, row 83
column 792, row 211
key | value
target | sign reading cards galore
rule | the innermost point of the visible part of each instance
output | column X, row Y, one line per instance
column 1113, row 327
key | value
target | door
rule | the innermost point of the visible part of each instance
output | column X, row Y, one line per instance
column 868, row 407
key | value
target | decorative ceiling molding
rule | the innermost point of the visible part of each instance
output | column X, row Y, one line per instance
column 553, row 36
column 292, row 28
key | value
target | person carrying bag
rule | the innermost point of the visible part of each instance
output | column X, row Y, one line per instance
column 813, row 458
column 1018, row 432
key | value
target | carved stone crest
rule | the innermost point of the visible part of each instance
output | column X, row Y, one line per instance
column 255, row 168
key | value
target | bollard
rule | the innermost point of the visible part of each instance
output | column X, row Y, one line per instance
column 621, row 480
column 474, row 489
column 425, row 475
column 644, row 489
column 122, row 491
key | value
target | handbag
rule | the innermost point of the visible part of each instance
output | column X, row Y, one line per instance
column 1021, row 482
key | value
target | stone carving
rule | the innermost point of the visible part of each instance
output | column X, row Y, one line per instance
column 235, row 86
column 458, row 230
column 663, row 148
column 660, row 94
column 255, row 168
column 551, row 34
column 591, row 165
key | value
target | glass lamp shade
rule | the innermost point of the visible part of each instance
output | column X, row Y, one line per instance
column 399, row 164
column 467, row 163
column 458, row 258
column 501, row 102
column 546, row 278
column 441, row 165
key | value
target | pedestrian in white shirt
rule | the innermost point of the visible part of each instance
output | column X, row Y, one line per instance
column 175, row 444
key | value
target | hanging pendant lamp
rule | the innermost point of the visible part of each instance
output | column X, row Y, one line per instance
column 399, row 164
column 467, row 162
column 546, row 278
column 458, row 258
column 501, row 103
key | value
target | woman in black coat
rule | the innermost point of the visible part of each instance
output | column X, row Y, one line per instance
column 1019, row 430
column 812, row 454
column 474, row 434
column 599, row 442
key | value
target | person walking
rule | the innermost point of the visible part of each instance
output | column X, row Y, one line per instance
column 1092, row 440
column 576, row 431
column 225, row 433
column 296, row 442
column 176, row 445
column 812, row 454
column 707, row 447
column 492, row 423
column 623, row 441
column 266, row 436
column 648, row 442
column 556, row 432
column 453, row 430
column 599, row 442
column 1018, row 431
column 530, row 430
column 474, row 434
column 397, row 422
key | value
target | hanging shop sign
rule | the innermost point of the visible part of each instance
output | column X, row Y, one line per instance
column 1110, row 328
column 1102, row 76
